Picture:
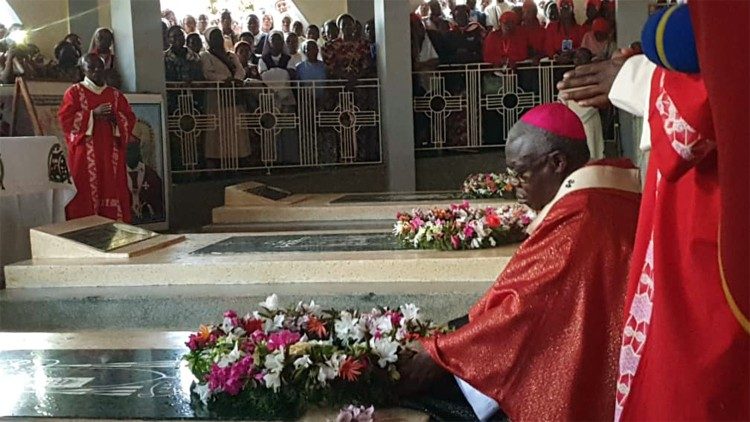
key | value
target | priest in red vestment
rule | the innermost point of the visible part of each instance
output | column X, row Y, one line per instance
column 543, row 342
column 685, row 352
column 97, row 122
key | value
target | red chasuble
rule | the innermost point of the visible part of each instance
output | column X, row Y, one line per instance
column 725, row 73
column 684, row 354
column 96, row 151
column 544, row 340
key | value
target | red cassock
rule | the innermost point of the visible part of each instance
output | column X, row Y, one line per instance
column 499, row 47
column 97, row 159
column 555, row 34
column 684, row 355
column 544, row 340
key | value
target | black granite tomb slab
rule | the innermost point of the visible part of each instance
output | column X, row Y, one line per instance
column 397, row 197
column 303, row 243
column 141, row 384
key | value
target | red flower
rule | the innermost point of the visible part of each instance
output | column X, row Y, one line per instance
column 252, row 325
column 351, row 369
column 314, row 325
column 493, row 221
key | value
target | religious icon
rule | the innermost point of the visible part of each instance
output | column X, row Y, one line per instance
column 57, row 166
column 144, row 183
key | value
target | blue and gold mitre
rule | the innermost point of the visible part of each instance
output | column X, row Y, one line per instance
column 669, row 41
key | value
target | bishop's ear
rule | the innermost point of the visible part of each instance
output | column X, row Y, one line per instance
column 559, row 162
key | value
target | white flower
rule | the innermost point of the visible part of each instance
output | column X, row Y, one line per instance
column 476, row 243
column 275, row 361
column 385, row 349
column 330, row 369
column 347, row 327
column 273, row 380
column 273, row 324
column 410, row 313
column 303, row 362
column 493, row 243
column 271, row 303
column 227, row 325
column 232, row 357
column 203, row 392
column 382, row 324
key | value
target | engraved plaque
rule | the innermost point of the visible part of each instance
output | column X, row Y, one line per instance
column 110, row 236
column 268, row 192
column 303, row 243
column 398, row 197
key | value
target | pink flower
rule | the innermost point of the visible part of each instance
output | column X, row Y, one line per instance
column 281, row 339
column 395, row 318
column 230, row 314
column 455, row 242
column 469, row 232
column 232, row 378
column 258, row 336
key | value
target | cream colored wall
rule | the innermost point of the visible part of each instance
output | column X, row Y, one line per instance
column 47, row 21
column 318, row 11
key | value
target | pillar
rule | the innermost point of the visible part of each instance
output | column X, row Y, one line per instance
column 630, row 15
column 394, row 71
column 362, row 10
column 84, row 19
column 138, row 45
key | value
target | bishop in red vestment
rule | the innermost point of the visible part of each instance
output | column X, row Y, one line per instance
column 97, row 122
column 543, row 342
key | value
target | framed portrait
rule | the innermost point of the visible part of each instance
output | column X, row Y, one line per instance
column 147, row 163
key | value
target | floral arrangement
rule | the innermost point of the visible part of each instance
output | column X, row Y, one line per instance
column 274, row 362
column 489, row 185
column 463, row 227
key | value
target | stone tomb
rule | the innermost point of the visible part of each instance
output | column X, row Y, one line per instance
column 95, row 237
column 343, row 258
column 109, row 375
column 246, row 209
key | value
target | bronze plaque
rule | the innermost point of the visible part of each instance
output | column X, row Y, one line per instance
column 269, row 192
column 110, row 236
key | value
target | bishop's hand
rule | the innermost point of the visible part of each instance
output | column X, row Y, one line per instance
column 418, row 373
column 590, row 84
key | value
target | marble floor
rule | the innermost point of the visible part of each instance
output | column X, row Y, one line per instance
column 100, row 375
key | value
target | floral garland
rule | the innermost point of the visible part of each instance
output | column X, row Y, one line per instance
column 489, row 185
column 463, row 227
column 273, row 363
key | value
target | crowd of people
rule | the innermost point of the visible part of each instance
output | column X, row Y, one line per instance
column 342, row 49
column 506, row 32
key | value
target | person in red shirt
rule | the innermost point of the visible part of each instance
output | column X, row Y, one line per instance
column 531, row 27
column 507, row 46
column 592, row 12
column 564, row 35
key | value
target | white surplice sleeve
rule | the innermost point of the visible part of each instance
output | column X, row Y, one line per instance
column 631, row 92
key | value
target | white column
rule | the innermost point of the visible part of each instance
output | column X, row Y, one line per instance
column 394, row 70
column 630, row 15
column 138, row 45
